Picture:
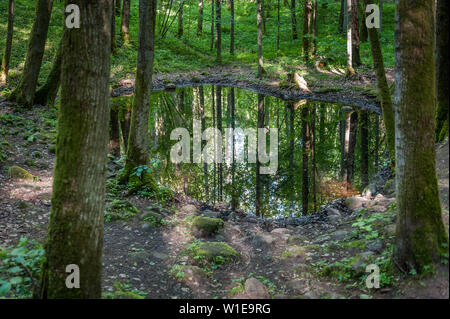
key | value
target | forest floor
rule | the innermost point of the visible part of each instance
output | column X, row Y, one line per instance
column 316, row 83
column 157, row 252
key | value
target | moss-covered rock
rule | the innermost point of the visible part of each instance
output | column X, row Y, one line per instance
column 296, row 239
column 206, row 226
column 215, row 251
column 18, row 172
column 120, row 210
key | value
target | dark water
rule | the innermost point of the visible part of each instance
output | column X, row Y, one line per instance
column 310, row 145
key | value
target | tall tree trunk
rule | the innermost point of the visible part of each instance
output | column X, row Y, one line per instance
column 201, row 93
column 75, row 233
column 442, row 66
column 307, row 30
column 350, row 70
column 8, row 45
column 306, row 149
column 219, row 30
column 364, row 149
column 212, row 24
column 113, row 30
column 234, row 195
column 258, row 190
column 377, row 142
column 315, row 29
column 138, row 146
column 200, row 18
column 125, row 27
column 24, row 92
column 180, row 19
column 278, row 25
column 215, row 155
column 421, row 238
column 314, row 165
column 341, row 17
column 232, row 27
column 293, row 21
column 263, row 14
column 383, row 90
column 219, row 128
column 342, row 140
column 46, row 94
column 356, row 59
column 350, row 143
column 125, row 120
column 260, row 48
column 363, row 33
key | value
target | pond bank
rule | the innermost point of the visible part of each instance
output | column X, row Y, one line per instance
column 324, row 86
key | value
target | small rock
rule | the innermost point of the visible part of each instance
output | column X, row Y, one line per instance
column 146, row 227
column 255, row 289
column 262, row 241
column 339, row 235
column 189, row 209
column 355, row 202
column 376, row 245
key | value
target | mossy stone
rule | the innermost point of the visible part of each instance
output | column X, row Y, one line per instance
column 212, row 250
column 207, row 225
column 19, row 172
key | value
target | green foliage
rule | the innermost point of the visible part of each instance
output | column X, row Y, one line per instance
column 124, row 291
column 20, row 268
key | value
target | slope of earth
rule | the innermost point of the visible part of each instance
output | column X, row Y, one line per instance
column 186, row 249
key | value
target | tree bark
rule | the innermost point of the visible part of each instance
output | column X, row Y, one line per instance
column 212, row 24
column 75, row 233
column 8, row 45
column 442, row 66
column 306, row 149
column 46, row 94
column 125, row 27
column 260, row 48
column 356, row 59
column 383, row 90
column 341, row 17
column 219, row 127
column 258, row 190
column 234, row 195
column 113, row 30
column 24, row 92
column 307, row 30
column 180, row 19
column 200, row 19
column 364, row 149
column 293, row 21
column 350, row 143
column 138, row 146
column 219, row 30
column 350, row 70
column 232, row 27
column 421, row 238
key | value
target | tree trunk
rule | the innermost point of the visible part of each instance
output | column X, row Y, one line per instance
column 258, row 191
column 8, row 45
column 293, row 21
column 278, row 25
column 421, row 238
column 315, row 29
column 125, row 27
column 201, row 93
column 442, row 66
column 219, row 30
column 234, row 196
column 363, row 33
column 350, row 70
column 113, row 30
column 219, row 127
column 377, row 141
column 307, row 31
column 212, row 24
column 364, row 149
column 350, row 143
column 75, row 233
column 200, row 19
column 306, row 149
column 314, row 165
column 180, row 19
column 356, row 59
column 125, row 119
column 24, row 92
column 232, row 27
column 138, row 146
column 341, row 17
column 383, row 90
column 260, row 48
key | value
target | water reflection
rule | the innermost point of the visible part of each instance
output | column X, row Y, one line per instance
column 324, row 149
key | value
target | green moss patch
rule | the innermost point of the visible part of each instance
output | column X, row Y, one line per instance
column 17, row 172
column 206, row 226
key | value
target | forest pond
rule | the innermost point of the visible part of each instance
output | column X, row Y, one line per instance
column 325, row 150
